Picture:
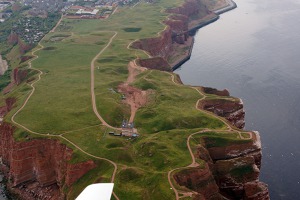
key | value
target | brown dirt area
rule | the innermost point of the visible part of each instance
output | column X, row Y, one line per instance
column 135, row 97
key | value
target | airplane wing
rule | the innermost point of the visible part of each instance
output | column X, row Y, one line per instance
column 98, row 191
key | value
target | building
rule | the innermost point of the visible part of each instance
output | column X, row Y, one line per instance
column 87, row 11
column 128, row 129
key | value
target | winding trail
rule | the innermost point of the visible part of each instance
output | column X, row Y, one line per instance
column 93, row 103
column 194, row 164
column 93, row 82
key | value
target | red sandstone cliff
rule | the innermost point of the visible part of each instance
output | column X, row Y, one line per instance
column 176, row 31
column 231, row 109
column 200, row 180
column 209, row 90
column 231, row 172
column 38, row 169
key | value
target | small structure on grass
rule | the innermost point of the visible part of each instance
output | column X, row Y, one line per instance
column 128, row 129
column 115, row 134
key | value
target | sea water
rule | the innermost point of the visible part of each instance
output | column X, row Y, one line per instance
column 254, row 52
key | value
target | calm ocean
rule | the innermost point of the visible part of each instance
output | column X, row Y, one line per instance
column 254, row 51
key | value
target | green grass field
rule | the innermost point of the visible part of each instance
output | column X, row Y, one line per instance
column 61, row 103
column 169, row 108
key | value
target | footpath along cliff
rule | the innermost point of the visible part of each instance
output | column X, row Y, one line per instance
column 174, row 44
column 231, row 171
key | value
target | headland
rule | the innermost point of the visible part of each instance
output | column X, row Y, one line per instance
column 65, row 101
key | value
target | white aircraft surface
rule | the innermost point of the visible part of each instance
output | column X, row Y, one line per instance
column 98, row 191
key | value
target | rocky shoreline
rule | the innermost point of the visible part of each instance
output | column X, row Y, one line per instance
column 231, row 5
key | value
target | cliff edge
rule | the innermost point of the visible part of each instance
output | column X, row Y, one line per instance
column 39, row 168
column 227, row 171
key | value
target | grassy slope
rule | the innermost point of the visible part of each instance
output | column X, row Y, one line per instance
column 62, row 103
column 172, row 106
column 66, row 76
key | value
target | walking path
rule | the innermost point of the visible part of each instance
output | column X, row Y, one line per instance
column 194, row 164
column 54, row 28
column 93, row 82
column 93, row 103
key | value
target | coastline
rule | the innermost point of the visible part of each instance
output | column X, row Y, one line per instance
column 230, row 6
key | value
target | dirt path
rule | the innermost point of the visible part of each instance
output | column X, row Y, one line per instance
column 230, row 128
column 57, row 24
column 93, row 82
column 94, row 108
column 135, row 97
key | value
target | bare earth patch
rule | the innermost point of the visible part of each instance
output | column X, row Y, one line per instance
column 135, row 97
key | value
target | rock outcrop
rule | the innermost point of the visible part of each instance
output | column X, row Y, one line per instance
column 157, row 47
column 209, row 90
column 230, row 109
column 231, row 172
column 38, row 169
column 155, row 63
column 176, row 32
column 236, row 168
column 200, row 180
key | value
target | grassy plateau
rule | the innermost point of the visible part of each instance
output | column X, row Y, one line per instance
column 61, row 104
